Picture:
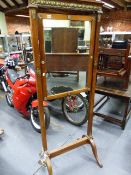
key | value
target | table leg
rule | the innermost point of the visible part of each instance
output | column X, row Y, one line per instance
column 77, row 76
column 125, row 117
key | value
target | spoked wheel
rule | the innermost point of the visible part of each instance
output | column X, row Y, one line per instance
column 34, row 118
column 75, row 109
column 9, row 98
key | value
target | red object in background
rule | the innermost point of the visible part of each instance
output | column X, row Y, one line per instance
column 35, row 103
column 23, row 90
column 21, row 93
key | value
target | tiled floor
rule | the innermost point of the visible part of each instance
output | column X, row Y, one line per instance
column 20, row 146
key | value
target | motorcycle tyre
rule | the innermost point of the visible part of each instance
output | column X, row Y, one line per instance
column 8, row 100
column 47, row 120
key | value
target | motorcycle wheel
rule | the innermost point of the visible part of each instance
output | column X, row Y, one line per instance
column 34, row 118
column 3, row 86
column 75, row 109
column 9, row 99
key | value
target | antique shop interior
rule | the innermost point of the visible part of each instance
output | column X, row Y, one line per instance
column 65, row 87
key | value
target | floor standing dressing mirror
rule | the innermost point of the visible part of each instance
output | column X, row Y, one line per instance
column 65, row 37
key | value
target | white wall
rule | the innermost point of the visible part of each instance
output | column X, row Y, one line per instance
column 3, row 25
column 87, row 31
column 49, row 23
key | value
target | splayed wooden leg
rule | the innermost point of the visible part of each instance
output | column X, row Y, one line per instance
column 46, row 162
column 49, row 166
column 94, row 150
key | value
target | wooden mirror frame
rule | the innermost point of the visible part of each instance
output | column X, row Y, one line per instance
column 44, row 56
column 90, row 9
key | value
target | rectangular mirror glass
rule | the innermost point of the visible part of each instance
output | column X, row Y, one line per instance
column 67, row 49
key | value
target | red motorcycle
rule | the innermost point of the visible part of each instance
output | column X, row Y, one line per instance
column 21, row 94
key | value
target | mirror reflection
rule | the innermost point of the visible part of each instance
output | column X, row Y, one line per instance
column 71, row 31
column 67, row 45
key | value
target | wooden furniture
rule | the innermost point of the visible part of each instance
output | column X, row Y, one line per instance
column 114, row 88
column 110, row 90
column 114, row 63
column 64, row 40
column 67, row 63
column 55, row 61
column 75, row 10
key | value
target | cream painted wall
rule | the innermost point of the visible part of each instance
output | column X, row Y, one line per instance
column 3, row 25
column 49, row 23
column 87, row 31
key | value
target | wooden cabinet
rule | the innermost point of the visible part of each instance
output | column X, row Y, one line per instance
column 64, row 40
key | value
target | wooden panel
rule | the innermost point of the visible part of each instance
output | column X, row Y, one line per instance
column 65, row 17
column 64, row 40
column 67, row 62
column 113, row 52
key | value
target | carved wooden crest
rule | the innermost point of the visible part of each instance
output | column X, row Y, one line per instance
column 67, row 5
